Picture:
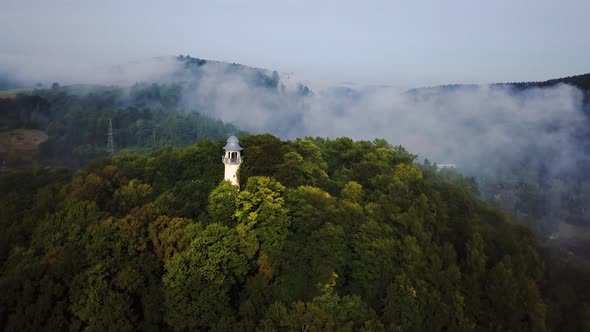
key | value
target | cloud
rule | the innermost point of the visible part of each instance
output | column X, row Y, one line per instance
column 29, row 70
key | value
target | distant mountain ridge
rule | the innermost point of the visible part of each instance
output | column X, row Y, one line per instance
column 582, row 82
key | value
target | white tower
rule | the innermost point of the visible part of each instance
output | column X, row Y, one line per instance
column 232, row 159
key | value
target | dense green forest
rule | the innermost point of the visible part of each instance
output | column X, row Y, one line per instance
column 324, row 235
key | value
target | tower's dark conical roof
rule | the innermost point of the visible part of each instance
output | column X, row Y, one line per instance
column 233, row 144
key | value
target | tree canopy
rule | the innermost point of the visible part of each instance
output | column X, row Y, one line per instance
column 324, row 235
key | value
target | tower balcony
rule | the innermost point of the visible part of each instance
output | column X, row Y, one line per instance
column 231, row 161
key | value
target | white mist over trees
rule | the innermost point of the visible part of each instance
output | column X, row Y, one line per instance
column 476, row 127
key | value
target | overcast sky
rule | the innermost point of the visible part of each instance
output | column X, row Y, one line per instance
column 403, row 43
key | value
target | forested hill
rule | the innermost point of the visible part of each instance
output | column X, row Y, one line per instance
column 539, row 138
column 75, row 120
column 324, row 235
column 167, row 101
column 581, row 82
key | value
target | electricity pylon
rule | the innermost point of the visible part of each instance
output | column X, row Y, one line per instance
column 110, row 139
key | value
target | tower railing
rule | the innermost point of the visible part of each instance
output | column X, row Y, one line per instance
column 235, row 160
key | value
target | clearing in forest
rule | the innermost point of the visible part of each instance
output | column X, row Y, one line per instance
column 21, row 144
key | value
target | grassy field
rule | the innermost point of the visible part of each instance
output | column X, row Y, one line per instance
column 11, row 93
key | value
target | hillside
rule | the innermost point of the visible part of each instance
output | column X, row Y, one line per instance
column 581, row 82
column 75, row 120
column 324, row 235
column 526, row 144
column 172, row 103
